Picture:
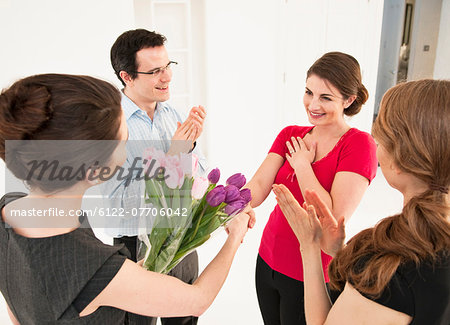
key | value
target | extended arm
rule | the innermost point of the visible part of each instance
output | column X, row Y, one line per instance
column 308, row 230
column 317, row 301
column 153, row 294
column 261, row 183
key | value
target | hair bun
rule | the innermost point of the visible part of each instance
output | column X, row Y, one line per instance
column 361, row 97
column 363, row 94
column 24, row 111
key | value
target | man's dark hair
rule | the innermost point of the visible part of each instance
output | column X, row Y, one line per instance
column 124, row 49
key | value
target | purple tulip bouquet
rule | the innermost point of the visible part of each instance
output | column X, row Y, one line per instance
column 186, row 209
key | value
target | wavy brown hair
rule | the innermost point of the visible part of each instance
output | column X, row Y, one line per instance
column 413, row 126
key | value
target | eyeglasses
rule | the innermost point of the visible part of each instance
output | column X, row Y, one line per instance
column 158, row 71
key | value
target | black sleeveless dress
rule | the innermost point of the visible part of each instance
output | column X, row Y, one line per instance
column 51, row 280
column 422, row 292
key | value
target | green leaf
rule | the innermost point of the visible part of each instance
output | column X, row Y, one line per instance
column 157, row 238
column 184, row 250
column 167, row 254
column 152, row 192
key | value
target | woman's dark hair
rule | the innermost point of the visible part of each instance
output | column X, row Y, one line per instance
column 413, row 126
column 57, row 107
column 124, row 49
column 343, row 72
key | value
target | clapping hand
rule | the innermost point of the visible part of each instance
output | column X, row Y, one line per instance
column 303, row 221
column 197, row 115
column 333, row 230
column 313, row 224
column 188, row 131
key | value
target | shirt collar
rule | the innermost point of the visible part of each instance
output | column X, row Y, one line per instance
column 130, row 108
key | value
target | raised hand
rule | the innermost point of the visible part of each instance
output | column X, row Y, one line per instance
column 333, row 230
column 192, row 127
column 197, row 115
column 183, row 137
column 303, row 221
column 188, row 131
column 300, row 154
column 185, row 131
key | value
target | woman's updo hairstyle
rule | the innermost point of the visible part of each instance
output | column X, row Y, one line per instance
column 343, row 72
column 57, row 107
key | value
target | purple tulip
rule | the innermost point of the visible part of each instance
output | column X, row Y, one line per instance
column 214, row 176
column 237, row 180
column 216, row 196
column 246, row 194
column 232, row 193
column 234, row 207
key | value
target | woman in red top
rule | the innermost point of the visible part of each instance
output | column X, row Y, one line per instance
column 336, row 161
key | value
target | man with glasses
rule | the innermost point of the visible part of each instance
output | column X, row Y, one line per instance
column 140, row 61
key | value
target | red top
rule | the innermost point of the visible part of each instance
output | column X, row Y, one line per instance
column 354, row 152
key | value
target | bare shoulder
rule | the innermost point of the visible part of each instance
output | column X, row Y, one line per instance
column 353, row 308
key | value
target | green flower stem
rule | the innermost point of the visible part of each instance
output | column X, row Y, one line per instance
column 198, row 223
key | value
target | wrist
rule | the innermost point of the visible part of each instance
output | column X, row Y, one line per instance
column 234, row 240
column 333, row 252
column 301, row 166
column 179, row 146
column 310, row 249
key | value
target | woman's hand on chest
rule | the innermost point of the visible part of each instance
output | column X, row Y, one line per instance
column 300, row 154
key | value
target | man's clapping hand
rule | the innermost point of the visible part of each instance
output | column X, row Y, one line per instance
column 188, row 131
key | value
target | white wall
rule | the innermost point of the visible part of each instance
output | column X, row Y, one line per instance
column 45, row 36
column 427, row 16
column 241, row 40
column 441, row 65
column 61, row 36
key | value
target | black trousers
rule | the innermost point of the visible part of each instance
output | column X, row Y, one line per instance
column 280, row 298
column 186, row 271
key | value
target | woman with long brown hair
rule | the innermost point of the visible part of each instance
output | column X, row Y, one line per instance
column 397, row 272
